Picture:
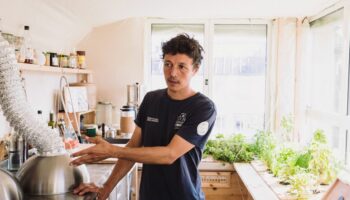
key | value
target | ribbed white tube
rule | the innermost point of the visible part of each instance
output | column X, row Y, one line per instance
column 17, row 110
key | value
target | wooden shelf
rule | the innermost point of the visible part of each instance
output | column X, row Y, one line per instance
column 39, row 68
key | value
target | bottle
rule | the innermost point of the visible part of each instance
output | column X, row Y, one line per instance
column 53, row 60
column 15, row 159
column 26, row 52
column 51, row 122
column 25, row 149
column 61, row 127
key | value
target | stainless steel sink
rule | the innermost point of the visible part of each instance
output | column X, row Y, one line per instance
column 117, row 140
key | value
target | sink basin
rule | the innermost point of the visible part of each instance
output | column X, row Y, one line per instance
column 117, row 140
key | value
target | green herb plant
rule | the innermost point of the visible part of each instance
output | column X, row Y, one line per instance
column 231, row 149
column 264, row 147
column 287, row 128
column 322, row 163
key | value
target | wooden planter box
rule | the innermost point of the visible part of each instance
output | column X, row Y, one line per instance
column 263, row 185
column 220, row 181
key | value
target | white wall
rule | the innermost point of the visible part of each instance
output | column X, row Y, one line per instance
column 53, row 27
column 115, row 53
column 40, row 88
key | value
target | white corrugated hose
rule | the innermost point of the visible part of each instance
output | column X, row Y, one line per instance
column 17, row 110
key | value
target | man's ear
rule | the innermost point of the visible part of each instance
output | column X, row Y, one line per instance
column 195, row 68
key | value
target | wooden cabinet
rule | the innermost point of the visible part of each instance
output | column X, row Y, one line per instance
column 220, row 181
column 223, row 185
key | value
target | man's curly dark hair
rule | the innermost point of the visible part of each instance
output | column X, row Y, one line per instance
column 184, row 44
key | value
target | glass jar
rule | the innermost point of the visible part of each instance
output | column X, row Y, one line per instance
column 53, row 60
column 72, row 61
column 127, row 117
column 81, row 59
column 63, row 61
column 47, row 58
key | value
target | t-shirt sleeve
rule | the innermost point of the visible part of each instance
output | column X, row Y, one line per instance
column 141, row 115
column 199, row 124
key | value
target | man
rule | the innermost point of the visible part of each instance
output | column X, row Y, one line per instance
column 173, row 125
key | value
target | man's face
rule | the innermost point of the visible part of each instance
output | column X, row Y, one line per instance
column 178, row 71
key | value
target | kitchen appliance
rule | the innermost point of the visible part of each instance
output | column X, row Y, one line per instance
column 9, row 187
column 134, row 95
column 129, row 111
column 104, row 113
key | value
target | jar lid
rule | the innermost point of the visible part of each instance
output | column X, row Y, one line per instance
column 81, row 53
column 127, row 108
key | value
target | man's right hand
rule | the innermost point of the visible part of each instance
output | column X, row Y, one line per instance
column 84, row 188
column 100, row 151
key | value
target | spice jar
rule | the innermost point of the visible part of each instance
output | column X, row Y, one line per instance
column 48, row 58
column 53, row 60
column 72, row 63
column 81, row 59
column 63, row 60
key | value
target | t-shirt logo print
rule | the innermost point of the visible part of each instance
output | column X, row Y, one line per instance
column 180, row 120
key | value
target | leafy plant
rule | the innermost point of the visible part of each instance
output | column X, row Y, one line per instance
column 302, row 184
column 232, row 149
column 304, row 160
column 322, row 163
column 264, row 147
column 287, row 126
column 285, row 166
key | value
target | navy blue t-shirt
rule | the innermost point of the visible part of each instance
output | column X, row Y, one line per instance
column 160, row 118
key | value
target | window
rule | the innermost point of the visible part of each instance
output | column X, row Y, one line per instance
column 233, row 73
column 239, row 77
column 327, row 81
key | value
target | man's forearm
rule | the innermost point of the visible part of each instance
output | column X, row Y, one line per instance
column 121, row 168
column 148, row 155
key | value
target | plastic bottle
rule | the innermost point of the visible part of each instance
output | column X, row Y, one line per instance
column 26, row 52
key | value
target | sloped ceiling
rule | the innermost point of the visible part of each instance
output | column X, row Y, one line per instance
column 62, row 23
